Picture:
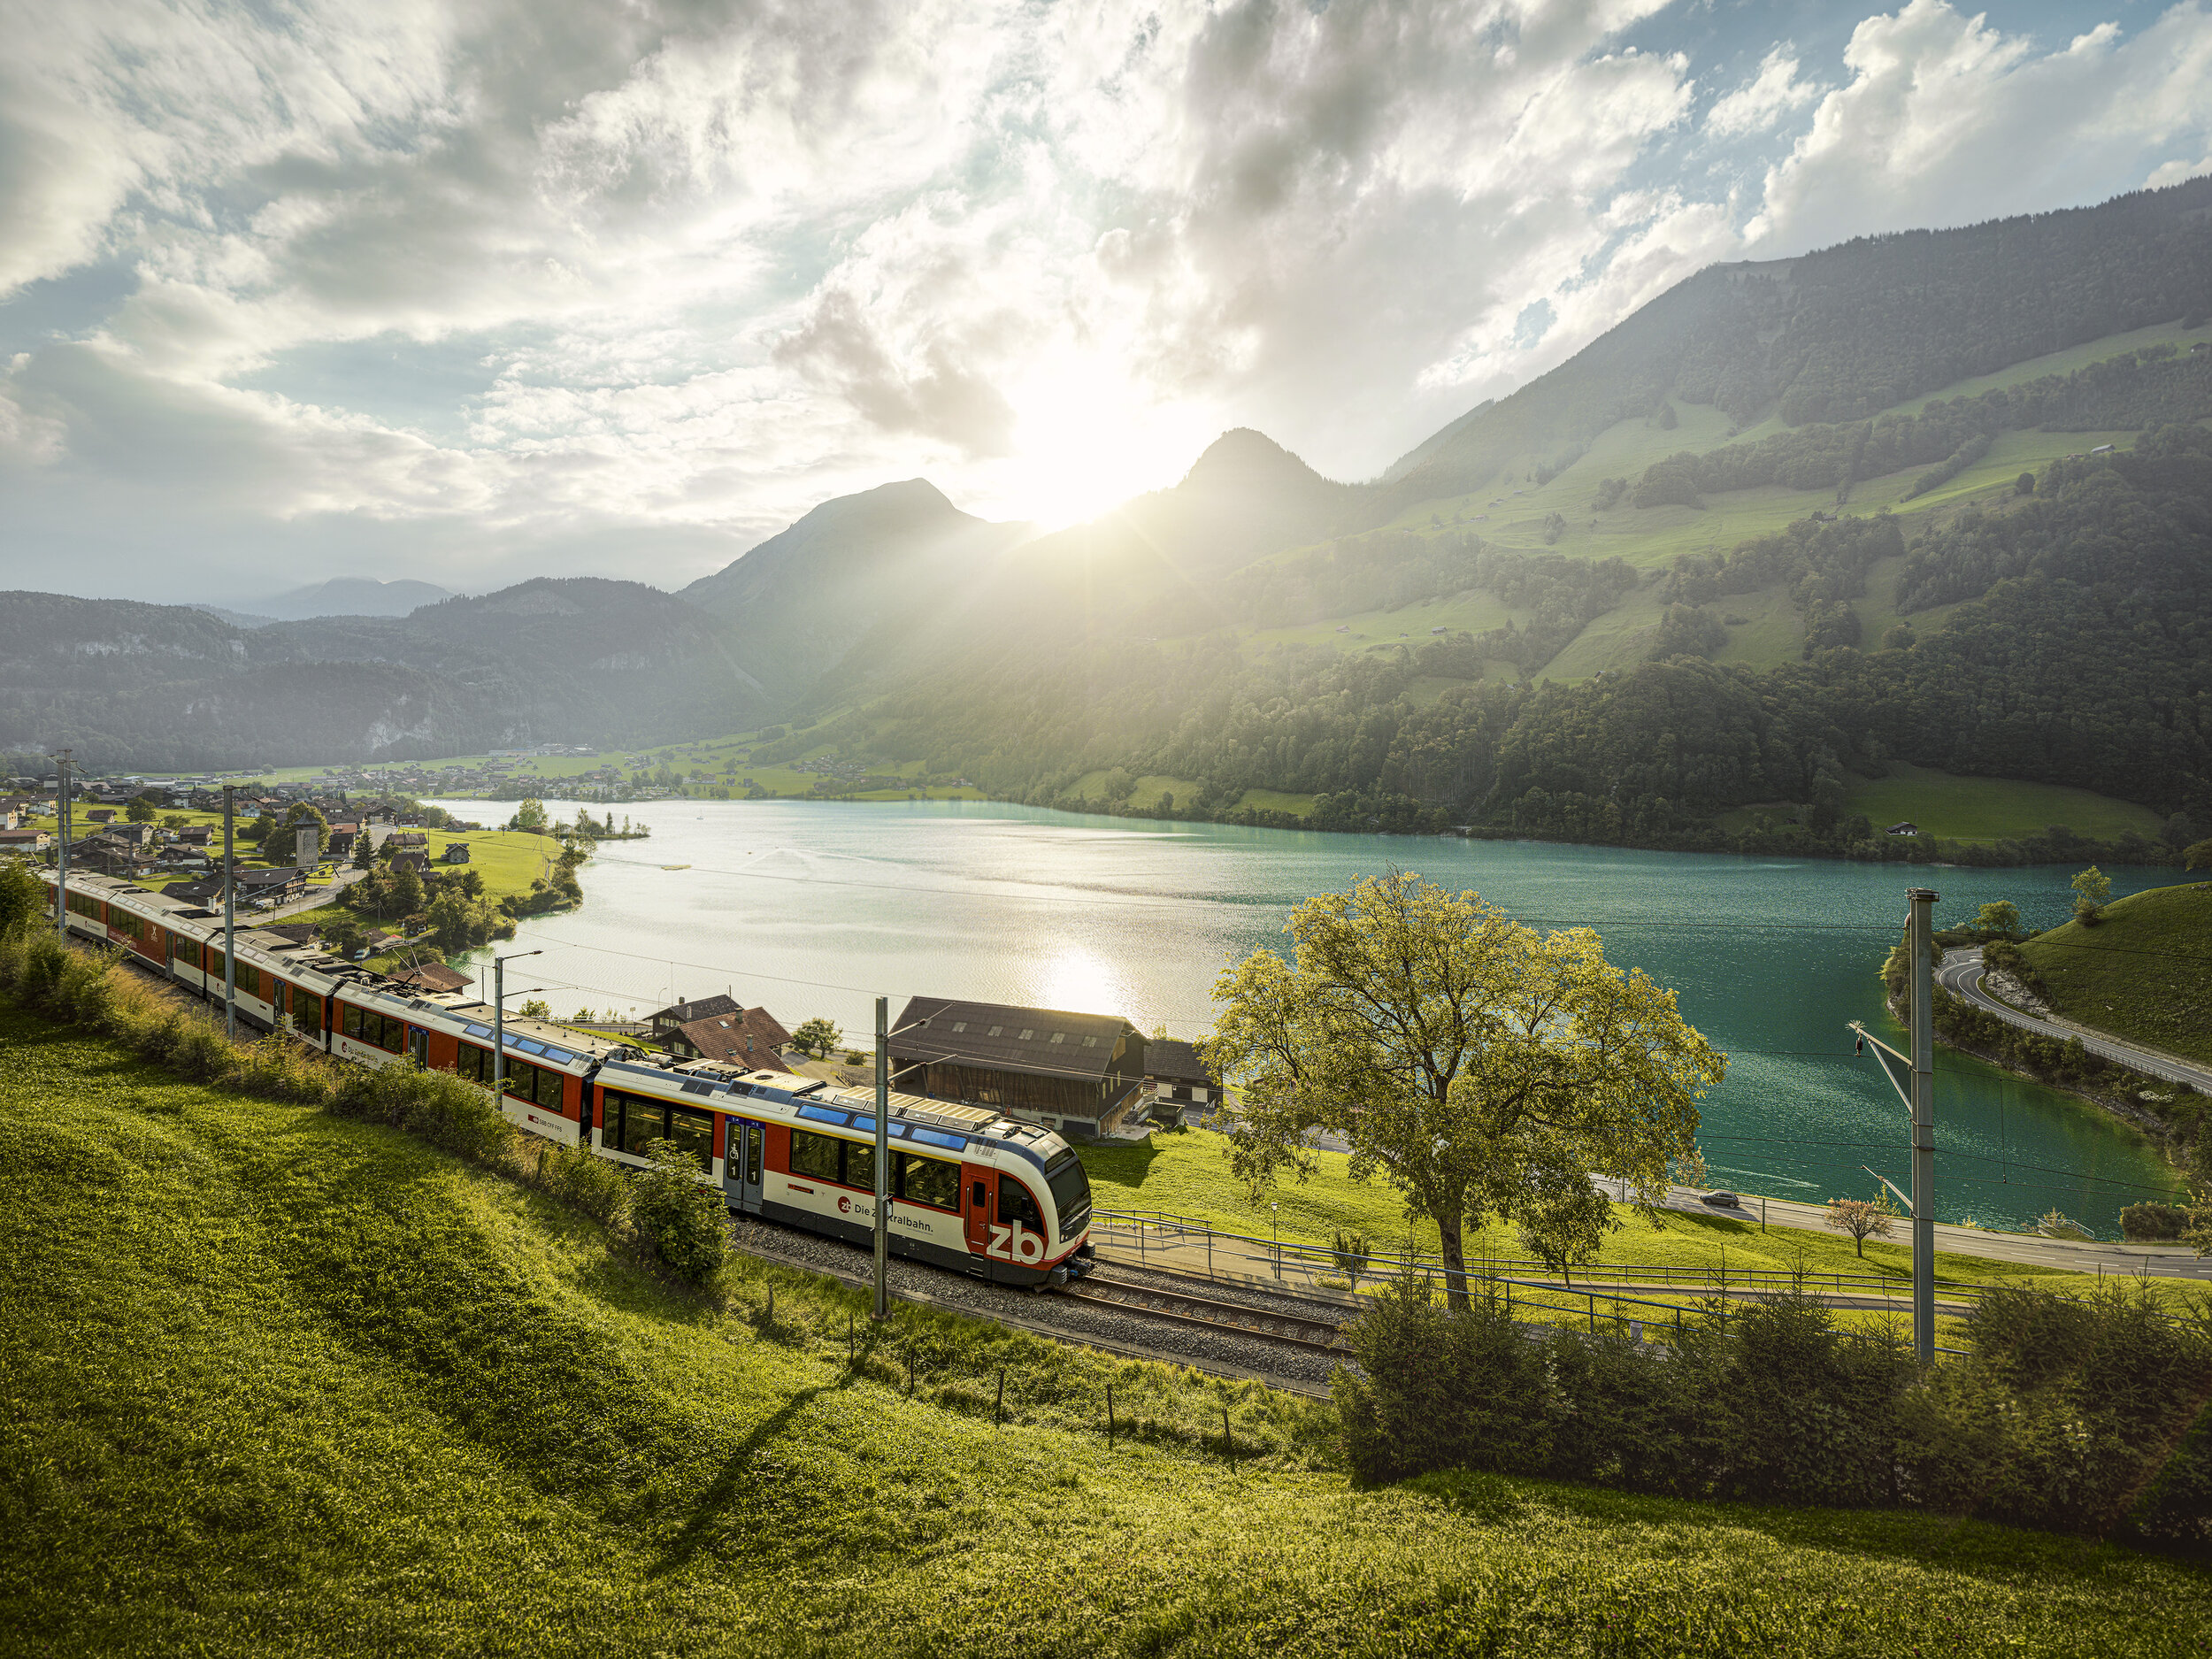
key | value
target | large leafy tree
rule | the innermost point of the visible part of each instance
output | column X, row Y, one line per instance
column 1480, row 1067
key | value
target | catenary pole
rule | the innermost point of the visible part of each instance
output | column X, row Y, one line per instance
column 61, row 819
column 230, row 915
column 883, row 1156
column 499, row 1018
column 1921, row 942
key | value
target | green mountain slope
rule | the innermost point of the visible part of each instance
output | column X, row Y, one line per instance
column 276, row 1382
column 1844, row 333
column 2140, row 973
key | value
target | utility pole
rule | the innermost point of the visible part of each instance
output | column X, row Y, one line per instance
column 499, row 1018
column 884, row 1035
column 230, row 915
column 1913, row 1077
column 61, row 883
column 1920, row 940
column 883, row 1157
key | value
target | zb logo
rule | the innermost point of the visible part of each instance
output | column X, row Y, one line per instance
column 1016, row 1243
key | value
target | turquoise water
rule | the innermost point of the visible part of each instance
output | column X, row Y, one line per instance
column 816, row 907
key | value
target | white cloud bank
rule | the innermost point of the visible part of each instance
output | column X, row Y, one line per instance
column 682, row 271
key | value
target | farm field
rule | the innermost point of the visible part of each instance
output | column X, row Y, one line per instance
column 293, row 1383
column 2140, row 973
column 1992, row 808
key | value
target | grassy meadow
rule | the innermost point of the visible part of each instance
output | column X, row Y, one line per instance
column 1186, row 1173
column 1992, row 808
column 2140, row 973
column 279, row 1382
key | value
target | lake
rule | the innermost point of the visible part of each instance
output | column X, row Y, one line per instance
column 816, row 907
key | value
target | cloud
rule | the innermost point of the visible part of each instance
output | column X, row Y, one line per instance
column 1945, row 120
column 1763, row 100
column 679, row 269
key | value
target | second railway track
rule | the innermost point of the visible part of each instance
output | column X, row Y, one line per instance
column 1316, row 1330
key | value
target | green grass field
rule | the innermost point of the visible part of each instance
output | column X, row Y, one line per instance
column 1992, row 808
column 279, row 1382
column 1183, row 1173
column 2141, row 972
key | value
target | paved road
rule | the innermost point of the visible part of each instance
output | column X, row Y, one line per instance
column 2161, row 1261
column 314, row 899
column 1961, row 974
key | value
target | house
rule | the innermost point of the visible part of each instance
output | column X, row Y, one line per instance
column 25, row 840
column 201, row 835
column 341, row 840
column 278, row 884
column 412, row 858
column 1904, row 826
column 456, row 853
column 665, row 1023
column 1177, row 1073
column 131, row 834
column 101, row 815
column 1078, row 1073
column 750, row 1037
column 208, row 890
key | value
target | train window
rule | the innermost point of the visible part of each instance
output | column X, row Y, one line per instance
column 1016, row 1204
column 860, row 1166
column 754, row 1135
column 1071, row 1185
column 980, row 1197
column 185, row 949
column 642, row 1121
column 474, row 1064
column 931, row 1181
column 692, row 1131
column 815, row 1155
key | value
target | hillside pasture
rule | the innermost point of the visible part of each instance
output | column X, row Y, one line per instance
column 1992, row 808
column 290, row 1383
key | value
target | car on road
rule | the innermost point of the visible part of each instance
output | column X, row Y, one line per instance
column 1722, row 1201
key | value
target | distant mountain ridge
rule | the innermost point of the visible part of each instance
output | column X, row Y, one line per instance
column 349, row 596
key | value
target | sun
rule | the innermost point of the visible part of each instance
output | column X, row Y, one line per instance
column 1087, row 437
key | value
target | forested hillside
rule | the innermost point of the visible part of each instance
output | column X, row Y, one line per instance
column 2087, row 660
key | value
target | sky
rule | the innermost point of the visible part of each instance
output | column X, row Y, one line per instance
column 472, row 292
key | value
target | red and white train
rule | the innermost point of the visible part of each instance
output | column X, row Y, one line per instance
column 972, row 1190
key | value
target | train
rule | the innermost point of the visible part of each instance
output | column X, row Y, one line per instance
column 972, row 1191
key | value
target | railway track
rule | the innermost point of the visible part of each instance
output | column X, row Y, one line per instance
column 1319, row 1332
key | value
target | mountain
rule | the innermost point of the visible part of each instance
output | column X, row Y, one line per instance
column 1847, row 332
column 794, row 608
column 579, row 661
column 351, row 596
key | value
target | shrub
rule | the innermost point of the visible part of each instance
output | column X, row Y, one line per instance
column 1440, row 1390
column 447, row 1110
column 680, row 1221
column 582, row 1181
column 2149, row 1220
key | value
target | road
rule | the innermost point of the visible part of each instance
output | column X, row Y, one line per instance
column 1961, row 974
column 314, row 899
column 2161, row 1261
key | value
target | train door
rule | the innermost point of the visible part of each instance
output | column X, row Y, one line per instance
column 418, row 1046
column 743, row 1153
column 981, row 1185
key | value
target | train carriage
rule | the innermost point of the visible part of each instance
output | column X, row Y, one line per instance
column 971, row 1190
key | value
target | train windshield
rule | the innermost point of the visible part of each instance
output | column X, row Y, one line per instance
column 1071, row 1185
